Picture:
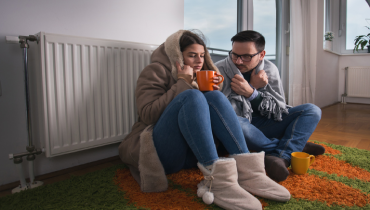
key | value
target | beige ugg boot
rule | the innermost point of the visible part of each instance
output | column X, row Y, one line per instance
column 220, row 185
column 252, row 177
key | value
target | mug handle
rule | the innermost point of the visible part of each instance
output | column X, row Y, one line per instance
column 312, row 159
column 221, row 80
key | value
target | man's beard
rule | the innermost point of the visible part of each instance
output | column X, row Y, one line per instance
column 245, row 67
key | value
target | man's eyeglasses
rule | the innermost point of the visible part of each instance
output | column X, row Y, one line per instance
column 245, row 57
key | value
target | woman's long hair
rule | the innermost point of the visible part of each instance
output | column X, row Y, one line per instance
column 192, row 37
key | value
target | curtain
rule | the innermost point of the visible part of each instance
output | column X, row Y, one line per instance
column 303, row 50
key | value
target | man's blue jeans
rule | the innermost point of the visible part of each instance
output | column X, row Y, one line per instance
column 184, row 133
column 281, row 138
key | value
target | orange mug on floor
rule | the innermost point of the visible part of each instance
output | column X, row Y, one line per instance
column 301, row 161
column 205, row 80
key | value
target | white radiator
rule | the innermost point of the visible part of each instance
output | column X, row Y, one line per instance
column 83, row 90
column 357, row 82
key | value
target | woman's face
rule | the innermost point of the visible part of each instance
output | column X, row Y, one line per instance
column 194, row 56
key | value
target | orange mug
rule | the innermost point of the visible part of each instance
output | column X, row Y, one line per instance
column 205, row 80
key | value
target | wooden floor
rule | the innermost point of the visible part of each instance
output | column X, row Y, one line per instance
column 347, row 125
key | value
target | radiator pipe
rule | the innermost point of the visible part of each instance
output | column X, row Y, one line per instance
column 32, row 183
column 20, row 155
column 23, row 186
column 31, row 150
column 24, row 45
column 30, row 159
column 344, row 95
column 29, row 128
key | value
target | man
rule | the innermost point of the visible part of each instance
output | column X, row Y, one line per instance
column 254, row 88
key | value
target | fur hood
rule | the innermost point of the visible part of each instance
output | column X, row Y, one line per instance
column 173, row 52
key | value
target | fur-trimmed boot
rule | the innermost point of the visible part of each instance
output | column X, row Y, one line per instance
column 220, row 185
column 252, row 177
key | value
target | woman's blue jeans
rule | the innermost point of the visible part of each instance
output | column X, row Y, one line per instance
column 281, row 138
column 184, row 133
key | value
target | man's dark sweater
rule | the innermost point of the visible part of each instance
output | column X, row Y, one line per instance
column 257, row 100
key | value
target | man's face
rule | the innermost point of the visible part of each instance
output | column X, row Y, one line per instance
column 246, row 48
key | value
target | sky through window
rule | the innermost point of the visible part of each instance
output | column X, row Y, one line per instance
column 358, row 16
column 216, row 19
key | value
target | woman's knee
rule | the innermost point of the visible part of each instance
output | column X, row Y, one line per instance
column 193, row 95
column 215, row 96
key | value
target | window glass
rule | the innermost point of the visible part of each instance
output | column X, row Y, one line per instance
column 264, row 22
column 216, row 19
column 358, row 16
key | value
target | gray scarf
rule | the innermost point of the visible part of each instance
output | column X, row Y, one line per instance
column 273, row 102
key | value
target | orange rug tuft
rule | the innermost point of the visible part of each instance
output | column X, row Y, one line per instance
column 350, row 190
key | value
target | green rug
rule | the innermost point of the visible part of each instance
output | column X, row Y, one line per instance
column 323, row 187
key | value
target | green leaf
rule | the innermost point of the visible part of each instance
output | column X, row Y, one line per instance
column 363, row 43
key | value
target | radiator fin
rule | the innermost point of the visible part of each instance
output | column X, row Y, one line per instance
column 89, row 91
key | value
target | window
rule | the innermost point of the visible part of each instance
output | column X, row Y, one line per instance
column 347, row 19
column 219, row 20
column 358, row 16
column 216, row 19
column 264, row 21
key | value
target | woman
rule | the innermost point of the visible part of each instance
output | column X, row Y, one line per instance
column 176, row 126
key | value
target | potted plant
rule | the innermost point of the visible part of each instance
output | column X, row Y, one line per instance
column 329, row 36
column 362, row 41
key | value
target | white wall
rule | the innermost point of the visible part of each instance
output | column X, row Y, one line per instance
column 358, row 59
column 327, row 67
column 145, row 21
column 330, row 67
column 326, row 78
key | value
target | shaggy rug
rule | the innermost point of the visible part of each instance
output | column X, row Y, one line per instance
column 339, row 179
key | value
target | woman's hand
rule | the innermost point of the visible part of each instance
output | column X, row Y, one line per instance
column 185, row 73
column 216, row 80
column 185, row 70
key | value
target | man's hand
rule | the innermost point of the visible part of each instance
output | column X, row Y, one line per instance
column 259, row 80
column 241, row 86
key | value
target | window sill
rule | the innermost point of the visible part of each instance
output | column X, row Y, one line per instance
column 348, row 54
column 331, row 52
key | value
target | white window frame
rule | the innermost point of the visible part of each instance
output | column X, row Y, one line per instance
column 245, row 22
column 338, row 24
column 245, row 15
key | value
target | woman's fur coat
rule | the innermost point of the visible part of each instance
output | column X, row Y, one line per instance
column 156, row 87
